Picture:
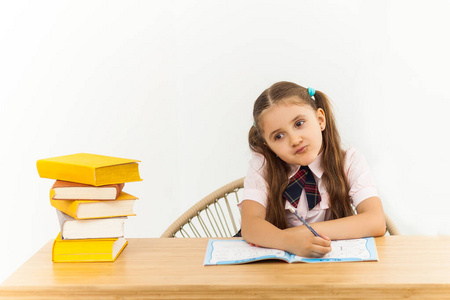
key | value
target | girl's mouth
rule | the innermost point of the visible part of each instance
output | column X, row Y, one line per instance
column 301, row 150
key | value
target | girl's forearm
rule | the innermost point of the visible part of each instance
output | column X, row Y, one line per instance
column 262, row 233
column 357, row 226
column 368, row 222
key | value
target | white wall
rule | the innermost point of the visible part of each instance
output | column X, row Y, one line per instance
column 172, row 83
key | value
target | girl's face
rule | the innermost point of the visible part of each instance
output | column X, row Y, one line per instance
column 293, row 131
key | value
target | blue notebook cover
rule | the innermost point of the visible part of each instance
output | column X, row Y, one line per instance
column 238, row 251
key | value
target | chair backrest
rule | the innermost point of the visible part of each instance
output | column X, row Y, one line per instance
column 391, row 228
column 217, row 215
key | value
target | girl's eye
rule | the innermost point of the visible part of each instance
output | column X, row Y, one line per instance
column 278, row 136
column 299, row 123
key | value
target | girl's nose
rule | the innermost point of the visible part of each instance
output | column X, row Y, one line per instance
column 295, row 140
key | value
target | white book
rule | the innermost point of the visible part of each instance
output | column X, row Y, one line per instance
column 90, row 228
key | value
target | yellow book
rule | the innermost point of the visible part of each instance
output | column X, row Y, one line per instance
column 89, row 169
column 93, row 209
column 87, row 250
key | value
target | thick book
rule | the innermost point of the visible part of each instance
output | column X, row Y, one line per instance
column 93, row 209
column 80, row 191
column 72, row 229
column 89, row 168
column 87, row 250
column 238, row 251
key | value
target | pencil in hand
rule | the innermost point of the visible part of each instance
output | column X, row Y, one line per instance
column 292, row 209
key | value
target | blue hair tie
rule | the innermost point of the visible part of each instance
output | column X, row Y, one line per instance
column 311, row 92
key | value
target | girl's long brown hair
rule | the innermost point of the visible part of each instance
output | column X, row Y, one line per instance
column 277, row 171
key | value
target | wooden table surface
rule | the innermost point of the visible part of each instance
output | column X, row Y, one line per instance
column 412, row 267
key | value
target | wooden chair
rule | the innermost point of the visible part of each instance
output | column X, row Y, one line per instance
column 217, row 215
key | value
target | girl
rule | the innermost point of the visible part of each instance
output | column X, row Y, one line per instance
column 298, row 160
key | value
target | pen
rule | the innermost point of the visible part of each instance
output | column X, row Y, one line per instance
column 292, row 209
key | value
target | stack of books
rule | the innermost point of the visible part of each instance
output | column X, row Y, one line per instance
column 90, row 203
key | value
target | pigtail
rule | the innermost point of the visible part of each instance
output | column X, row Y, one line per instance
column 276, row 175
column 334, row 176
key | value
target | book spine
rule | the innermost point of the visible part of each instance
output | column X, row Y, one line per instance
column 119, row 188
column 68, row 207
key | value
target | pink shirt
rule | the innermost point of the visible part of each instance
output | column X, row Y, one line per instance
column 358, row 173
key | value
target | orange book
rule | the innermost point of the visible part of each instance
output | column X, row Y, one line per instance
column 89, row 169
column 93, row 209
column 80, row 191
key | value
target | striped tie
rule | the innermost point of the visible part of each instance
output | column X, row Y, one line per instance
column 303, row 179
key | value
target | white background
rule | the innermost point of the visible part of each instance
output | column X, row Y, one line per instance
column 172, row 83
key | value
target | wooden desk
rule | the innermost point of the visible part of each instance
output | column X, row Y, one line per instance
column 413, row 267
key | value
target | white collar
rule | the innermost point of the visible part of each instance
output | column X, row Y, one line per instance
column 315, row 166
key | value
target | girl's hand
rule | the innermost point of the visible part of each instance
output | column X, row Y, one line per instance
column 303, row 242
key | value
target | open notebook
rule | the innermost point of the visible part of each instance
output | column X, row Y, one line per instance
column 238, row 251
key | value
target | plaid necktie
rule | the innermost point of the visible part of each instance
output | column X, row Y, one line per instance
column 303, row 179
